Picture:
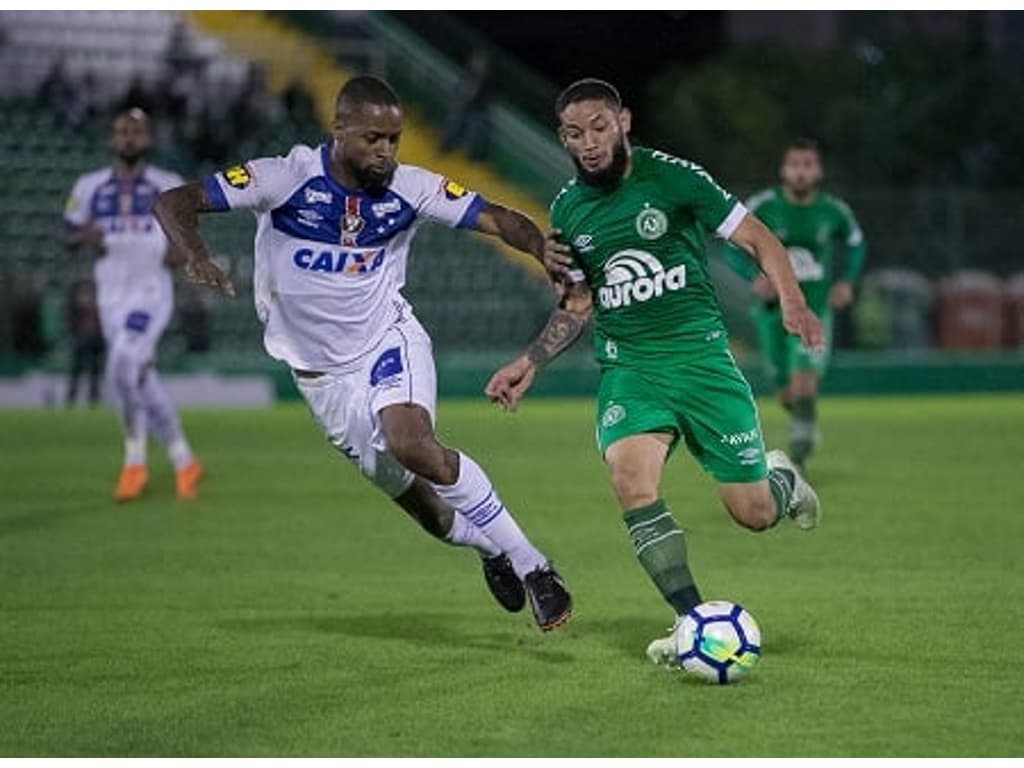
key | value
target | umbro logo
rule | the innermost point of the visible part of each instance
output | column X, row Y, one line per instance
column 583, row 243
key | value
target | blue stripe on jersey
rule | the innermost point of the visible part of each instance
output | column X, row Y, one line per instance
column 215, row 193
column 316, row 211
column 468, row 220
column 106, row 199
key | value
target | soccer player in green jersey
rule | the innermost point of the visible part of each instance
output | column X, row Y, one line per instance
column 810, row 223
column 630, row 236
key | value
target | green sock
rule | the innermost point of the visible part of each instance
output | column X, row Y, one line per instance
column 661, row 550
column 801, row 429
column 781, row 482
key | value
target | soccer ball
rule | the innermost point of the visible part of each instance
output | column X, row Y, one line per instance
column 718, row 641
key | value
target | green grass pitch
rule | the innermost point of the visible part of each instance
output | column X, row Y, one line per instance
column 293, row 611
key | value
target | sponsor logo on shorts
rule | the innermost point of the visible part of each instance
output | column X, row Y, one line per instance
column 137, row 321
column 611, row 350
column 742, row 438
column 749, row 456
column 238, row 176
column 612, row 415
column 637, row 276
column 651, row 223
column 387, row 371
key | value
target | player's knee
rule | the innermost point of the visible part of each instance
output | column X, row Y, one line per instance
column 632, row 489
column 754, row 513
column 423, row 455
column 126, row 372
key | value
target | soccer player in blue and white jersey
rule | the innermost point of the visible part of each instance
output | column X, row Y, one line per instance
column 334, row 226
column 110, row 213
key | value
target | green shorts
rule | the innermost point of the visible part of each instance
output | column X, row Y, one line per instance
column 783, row 354
column 704, row 400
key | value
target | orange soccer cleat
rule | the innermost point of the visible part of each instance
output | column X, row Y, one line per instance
column 187, row 478
column 131, row 483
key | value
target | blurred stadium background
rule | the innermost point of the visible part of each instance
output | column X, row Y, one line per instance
column 921, row 116
column 291, row 611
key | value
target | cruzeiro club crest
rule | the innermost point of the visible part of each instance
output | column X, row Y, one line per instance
column 352, row 222
column 651, row 223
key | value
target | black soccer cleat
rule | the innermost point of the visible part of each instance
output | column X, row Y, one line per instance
column 504, row 584
column 549, row 599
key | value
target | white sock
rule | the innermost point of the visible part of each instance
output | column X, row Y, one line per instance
column 164, row 421
column 180, row 453
column 475, row 497
column 135, row 449
column 464, row 534
column 125, row 373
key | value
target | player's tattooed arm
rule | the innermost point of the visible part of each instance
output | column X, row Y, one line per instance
column 178, row 211
column 563, row 327
column 515, row 228
column 508, row 385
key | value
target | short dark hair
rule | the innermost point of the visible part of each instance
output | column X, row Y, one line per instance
column 365, row 89
column 585, row 90
column 803, row 142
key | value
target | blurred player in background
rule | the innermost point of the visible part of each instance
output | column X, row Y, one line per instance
column 630, row 236
column 110, row 214
column 809, row 222
column 335, row 223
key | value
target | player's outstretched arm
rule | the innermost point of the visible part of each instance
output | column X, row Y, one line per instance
column 508, row 385
column 759, row 241
column 514, row 228
column 178, row 211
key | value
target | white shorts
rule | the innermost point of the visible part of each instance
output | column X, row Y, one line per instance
column 346, row 404
column 134, row 324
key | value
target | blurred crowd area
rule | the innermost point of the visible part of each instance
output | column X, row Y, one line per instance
column 942, row 269
column 207, row 109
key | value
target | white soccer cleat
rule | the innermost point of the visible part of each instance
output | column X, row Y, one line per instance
column 804, row 507
column 664, row 651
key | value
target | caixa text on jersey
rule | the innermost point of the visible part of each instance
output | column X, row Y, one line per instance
column 346, row 262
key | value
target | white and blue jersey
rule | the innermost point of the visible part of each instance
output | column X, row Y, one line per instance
column 330, row 261
column 130, row 276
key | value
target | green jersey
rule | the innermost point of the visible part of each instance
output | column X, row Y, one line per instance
column 810, row 233
column 641, row 248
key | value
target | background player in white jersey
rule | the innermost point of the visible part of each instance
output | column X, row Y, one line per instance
column 334, row 225
column 110, row 213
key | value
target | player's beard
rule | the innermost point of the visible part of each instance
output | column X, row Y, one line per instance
column 606, row 178
column 802, row 189
column 375, row 181
column 131, row 157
